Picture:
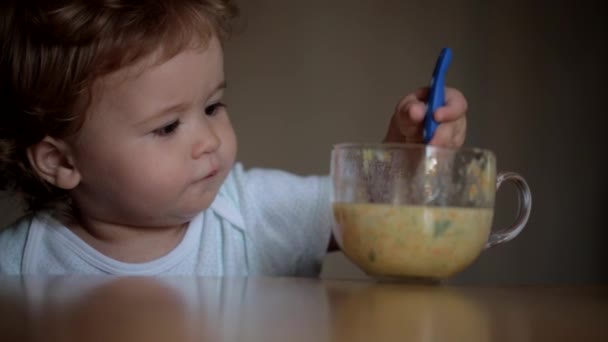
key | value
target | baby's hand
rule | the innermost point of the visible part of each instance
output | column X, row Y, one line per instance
column 407, row 123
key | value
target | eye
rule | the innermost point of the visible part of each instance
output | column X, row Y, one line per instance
column 167, row 129
column 214, row 108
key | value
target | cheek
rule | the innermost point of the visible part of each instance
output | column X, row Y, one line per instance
column 140, row 173
column 229, row 140
column 231, row 148
column 154, row 172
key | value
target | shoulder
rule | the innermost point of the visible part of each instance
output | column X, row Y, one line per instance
column 12, row 245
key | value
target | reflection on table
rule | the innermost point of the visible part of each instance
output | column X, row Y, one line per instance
column 291, row 309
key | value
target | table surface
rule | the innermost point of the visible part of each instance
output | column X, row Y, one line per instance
column 292, row 309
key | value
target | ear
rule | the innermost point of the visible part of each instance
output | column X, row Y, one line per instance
column 53, row 161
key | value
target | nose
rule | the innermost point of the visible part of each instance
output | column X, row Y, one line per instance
column 206, row 141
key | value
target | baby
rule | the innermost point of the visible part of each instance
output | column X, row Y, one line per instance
column 115, row 133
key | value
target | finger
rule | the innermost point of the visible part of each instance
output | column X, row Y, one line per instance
column 420, row 95
column 412, row 133
column 415, row 112
column 450, row 135
column 410, row 114
column 409, row 121
column 458, row 134
column 455, row 107
column 443, row 136
column 461, row 132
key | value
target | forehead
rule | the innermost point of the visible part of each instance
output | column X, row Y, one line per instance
column 154, row 81
column 197, row 56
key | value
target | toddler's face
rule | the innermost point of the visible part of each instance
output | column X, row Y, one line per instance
column 156, row 145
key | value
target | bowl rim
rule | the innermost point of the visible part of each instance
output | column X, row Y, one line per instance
column 408, row 146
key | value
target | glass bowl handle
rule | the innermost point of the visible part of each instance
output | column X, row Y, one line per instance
column 524, row 207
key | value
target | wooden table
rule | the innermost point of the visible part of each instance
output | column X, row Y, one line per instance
column 287, row 309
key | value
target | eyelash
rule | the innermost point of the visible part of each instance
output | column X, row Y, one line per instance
column 169, row 129
column 212, row 109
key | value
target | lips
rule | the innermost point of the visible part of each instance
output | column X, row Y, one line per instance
column 211, row 174
column 214, row 169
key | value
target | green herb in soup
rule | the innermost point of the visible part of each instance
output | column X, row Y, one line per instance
column 412, row 241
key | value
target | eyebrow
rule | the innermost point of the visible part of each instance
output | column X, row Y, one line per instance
column 182, row 105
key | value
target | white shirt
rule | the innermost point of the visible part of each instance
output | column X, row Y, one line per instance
column 262, row 222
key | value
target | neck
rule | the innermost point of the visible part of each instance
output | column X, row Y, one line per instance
column 131, row 244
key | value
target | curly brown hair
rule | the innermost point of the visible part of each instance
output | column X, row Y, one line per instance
column 53, row 50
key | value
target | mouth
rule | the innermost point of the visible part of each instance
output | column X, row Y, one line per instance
column 211, row 174
column 214, row 172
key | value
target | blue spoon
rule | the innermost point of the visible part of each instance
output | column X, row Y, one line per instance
column 436, row 97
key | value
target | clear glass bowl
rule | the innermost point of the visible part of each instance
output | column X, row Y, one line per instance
column 417, row 211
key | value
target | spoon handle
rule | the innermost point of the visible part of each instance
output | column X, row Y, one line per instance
column 436, row 97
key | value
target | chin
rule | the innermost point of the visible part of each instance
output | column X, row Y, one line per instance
column 196, row 208
column 199, row 201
